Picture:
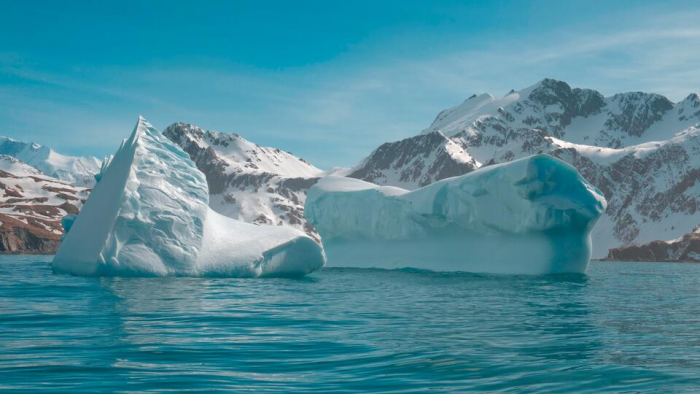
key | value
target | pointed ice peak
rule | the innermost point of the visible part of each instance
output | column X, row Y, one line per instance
column 149, row 216
column 143, row 128
column 143, row 125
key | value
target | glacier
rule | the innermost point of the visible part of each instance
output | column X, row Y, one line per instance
column 148, row 215
column 532, row 216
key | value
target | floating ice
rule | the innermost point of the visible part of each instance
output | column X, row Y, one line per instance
column 148, row 216
column 530, row 216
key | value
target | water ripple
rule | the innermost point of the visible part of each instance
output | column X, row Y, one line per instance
column 622, row 327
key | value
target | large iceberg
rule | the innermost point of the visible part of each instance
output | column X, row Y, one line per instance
column 148, row 216
column 530, row 216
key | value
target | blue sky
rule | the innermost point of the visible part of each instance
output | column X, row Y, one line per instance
column 326, row 80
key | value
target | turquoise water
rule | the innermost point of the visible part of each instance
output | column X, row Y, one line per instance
column 623, row 327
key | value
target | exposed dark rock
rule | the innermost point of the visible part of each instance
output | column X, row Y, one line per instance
column 31, row 214
column 418, row 160
column 639, row 112
column 18, row 237
column 242, row 182
column 685, row 249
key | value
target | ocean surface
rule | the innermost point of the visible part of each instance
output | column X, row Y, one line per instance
column 632, row 327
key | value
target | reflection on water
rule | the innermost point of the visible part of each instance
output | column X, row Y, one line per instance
column 621, row 327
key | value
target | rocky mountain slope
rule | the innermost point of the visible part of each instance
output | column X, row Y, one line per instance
column 415, row 162
column 683, row 249
column 31, row 207
column 75, row 170
column 248, row 182
column 640, row 149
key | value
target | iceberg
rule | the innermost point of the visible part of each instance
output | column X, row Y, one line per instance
column 148, row 215
column 532, row 216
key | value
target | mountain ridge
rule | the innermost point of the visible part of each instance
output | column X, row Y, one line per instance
column 72, row 169
column 640, row 149
column 249, row 182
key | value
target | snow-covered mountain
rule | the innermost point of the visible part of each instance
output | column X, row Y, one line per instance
column 31, row 207
column 75, row 170
column 640, row 149
column 580, row 116
column 415, row 162
column 248, row 182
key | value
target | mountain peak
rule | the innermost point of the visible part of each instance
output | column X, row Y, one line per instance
column 238, row 152
column 692, row 98
column 548, row 83
column 246, row 181
column 484, row 96
column 79, row 170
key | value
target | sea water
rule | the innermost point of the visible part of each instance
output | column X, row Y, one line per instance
column 622, row 327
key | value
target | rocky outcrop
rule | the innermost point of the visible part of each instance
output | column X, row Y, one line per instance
column 638, row 111
column 684, row 249
column 27, row 238
column 417, row 161
column 32, row 205
column 248, row 182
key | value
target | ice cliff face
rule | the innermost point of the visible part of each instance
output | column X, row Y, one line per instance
column 248, row 182
column 641, row 150
column 530, row 216
column 148, row 216
column 31, row 207
column 79, row 171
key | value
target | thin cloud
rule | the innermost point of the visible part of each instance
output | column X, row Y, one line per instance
column 334, row 113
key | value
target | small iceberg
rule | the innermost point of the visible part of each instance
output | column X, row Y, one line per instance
column 149, row 216
column 532, row 216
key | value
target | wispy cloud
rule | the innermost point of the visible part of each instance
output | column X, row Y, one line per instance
column 334, row 113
